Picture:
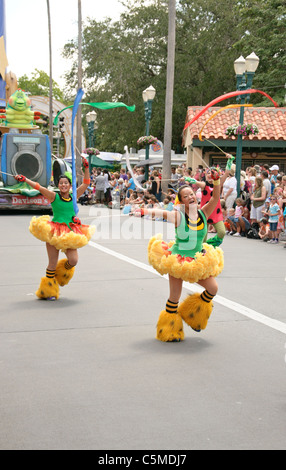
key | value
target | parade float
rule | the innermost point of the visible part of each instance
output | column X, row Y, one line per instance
column 24, row 150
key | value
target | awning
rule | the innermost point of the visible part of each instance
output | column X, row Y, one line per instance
column 150, row 161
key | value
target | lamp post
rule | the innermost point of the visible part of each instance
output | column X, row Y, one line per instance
column 58, row 137
column 92, row 125
column 148, row 97
column 244, row 70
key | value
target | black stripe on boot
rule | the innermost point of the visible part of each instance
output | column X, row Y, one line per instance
column 68, row 266
column 50, row 273
column 206, row 296
column 171, row 307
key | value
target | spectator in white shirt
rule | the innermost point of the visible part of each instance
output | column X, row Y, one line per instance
column 266, row 182
column 229, row 189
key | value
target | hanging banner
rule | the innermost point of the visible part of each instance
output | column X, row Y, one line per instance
column 104, row 105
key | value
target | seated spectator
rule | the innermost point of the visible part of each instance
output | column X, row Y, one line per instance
column 239, row 222
column 234, row 215
column 224, row 215
column 136, row 203
column 152, row 202
column 170, row 193
column 85, row 198
column 264, row 229
column 168, row 204
column 128, row 202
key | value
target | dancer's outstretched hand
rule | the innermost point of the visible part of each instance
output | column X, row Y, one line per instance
column 214, row 173
column 76, row 220
column 190, row 180
column 85, row 163
column 229, row 162
column 20, row 178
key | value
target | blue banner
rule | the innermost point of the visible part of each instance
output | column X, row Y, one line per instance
column 77, row 101
column 2, row 33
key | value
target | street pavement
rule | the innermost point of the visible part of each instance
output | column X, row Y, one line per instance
column 86, row 372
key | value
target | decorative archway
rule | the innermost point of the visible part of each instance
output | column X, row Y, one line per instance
column 41, row 104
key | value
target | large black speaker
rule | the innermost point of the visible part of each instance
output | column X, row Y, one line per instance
column 26, row 154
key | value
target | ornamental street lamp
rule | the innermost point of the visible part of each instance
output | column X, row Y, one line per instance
column 244, row 70
column 148, row 97
column 92, row 126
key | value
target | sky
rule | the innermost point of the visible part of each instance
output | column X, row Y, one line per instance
column 27, row 37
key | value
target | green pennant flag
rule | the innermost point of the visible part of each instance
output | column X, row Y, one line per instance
column 105, row 105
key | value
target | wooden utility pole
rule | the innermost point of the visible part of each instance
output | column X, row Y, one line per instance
column 169, row 95
column 78, row 117
column 51, row 130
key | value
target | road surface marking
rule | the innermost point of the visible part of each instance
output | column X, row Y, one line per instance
column 247, row 312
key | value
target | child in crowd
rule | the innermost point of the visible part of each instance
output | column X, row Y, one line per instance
column 278, row 192
column 264, row 229
column 265, row 211
column 171, row 194
column 152, row 203
column 224, row 215
column 273, row 219
column 284, row 215
column 136, row 202
column 234, row 215
column 168, row 204
column 128, row 202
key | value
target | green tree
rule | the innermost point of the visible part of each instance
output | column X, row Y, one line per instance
column 263, row 25
column 122, row 58
column 39, row 84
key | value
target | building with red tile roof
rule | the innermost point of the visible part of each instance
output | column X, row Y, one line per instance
column 268, row 146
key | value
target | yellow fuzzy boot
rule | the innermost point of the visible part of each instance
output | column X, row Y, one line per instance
column 170, row 327
column 195, row 311
column 48, row 289
column 64, row 275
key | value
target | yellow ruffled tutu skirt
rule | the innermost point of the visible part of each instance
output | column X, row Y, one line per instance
column 59, row 235
column 207, row 264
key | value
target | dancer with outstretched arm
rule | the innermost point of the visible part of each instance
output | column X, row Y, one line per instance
column 64, row 232
column 187, row 259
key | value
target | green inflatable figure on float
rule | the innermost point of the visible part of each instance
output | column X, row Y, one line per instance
column 18, row 112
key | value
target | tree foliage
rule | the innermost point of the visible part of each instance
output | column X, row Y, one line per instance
column 263, row 23
column 123, row 58
column 38, row 85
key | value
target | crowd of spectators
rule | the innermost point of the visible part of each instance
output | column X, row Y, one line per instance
column 259, row 211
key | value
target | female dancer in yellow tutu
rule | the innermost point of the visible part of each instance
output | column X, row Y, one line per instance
column 64, row 232
column 187, row 259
